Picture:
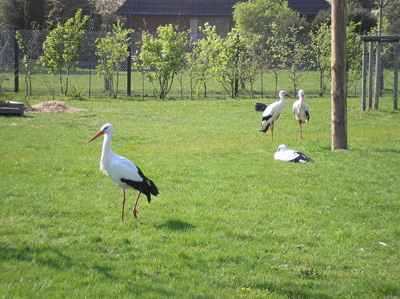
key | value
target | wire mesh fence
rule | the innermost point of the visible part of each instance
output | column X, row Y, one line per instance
column 86, row 81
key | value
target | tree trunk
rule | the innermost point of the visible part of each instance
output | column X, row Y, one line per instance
column 338, row 70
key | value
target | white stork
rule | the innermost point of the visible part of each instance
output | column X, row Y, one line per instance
column 271, row 114
column 301, row 111
column 288, row 155
column 122, row 171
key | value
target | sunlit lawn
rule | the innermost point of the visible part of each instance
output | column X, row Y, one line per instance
column 229, row 222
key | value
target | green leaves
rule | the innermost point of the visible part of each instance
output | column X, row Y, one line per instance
column 112, row 50
column 164, row 55
column 63, row 46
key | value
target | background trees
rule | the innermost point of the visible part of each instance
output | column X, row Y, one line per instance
column 112, row 51
column 62, row 48
column 164, row 56
column 257, row 16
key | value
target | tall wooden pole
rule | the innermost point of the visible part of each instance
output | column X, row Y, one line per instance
column 338, row 71
column 396, row 74
column 364, row 76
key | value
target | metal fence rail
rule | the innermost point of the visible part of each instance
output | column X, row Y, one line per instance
column 86, row 82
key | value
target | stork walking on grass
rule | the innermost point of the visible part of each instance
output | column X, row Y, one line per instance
column 301, row 111
column 272, row 113
column 289, row 155
column 122, row 171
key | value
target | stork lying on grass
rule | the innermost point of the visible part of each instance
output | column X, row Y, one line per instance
column 289, row 155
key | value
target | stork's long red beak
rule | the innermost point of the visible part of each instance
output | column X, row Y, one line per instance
column 289, row 96
column 95, row 136
column 303, row 99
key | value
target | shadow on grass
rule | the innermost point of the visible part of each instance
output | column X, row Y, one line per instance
column 176, row 225
column 46, row 255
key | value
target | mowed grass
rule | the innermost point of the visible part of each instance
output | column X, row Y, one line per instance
column 229, row 218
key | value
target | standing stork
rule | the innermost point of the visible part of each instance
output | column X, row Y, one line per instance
column 271, row 114
column 122, row 171
column 301, row 111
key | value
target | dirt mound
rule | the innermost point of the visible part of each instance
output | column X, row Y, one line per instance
column 51, row 107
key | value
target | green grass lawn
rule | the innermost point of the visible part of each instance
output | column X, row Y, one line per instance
column 228, row 219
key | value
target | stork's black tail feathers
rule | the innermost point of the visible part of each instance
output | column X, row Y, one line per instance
column 265, row 118
column 146, row 186
column 152, row 188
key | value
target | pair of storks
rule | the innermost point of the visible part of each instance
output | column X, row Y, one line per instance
column 129, row 176
column 302, row 114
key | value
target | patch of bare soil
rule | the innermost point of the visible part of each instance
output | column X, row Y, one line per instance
column 51, row 107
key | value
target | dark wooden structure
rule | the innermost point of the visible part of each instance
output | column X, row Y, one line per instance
column 378, row 67
column 11, row 108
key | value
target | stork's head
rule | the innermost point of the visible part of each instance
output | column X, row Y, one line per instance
column 105, row 129
column 301, row 95
column 282, row 148
column 283, row 93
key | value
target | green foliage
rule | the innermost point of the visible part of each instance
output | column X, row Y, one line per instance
column 22, row 14
column 257, row 16
column 229, row 66
column 164, row 56
column 29, row 48
column 112, row 51
column 294, row 54
column 202, row 58
column 320, row 54
column 228, row 215
column 354, row 55
column 59, row 11
column 62, row 48
column 254, row 61
column 286, row 51
column 275, row 61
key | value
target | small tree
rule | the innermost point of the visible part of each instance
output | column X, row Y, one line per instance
column 274, row 56
column 293, row 53
column 228, row 69
column 254, row 60
column 112, row 51
column 354, row 55
column 164, row 55
column 28, row 47
column 320, row 54
column 202, row 58
column 62, row 48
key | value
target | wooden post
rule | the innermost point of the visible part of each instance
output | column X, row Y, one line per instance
column 16, row 63
column 370, row 73
column 377, row 75
column 396, row 74
column 129, row 66
column 338, row 70
column 364, row 76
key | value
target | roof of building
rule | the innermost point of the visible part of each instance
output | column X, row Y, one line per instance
column 206, row 7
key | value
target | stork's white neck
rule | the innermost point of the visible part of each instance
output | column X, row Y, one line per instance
column 106, row 152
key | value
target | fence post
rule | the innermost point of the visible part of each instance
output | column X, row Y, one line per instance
column 370, row 73
column 364, row 74
column 129, row 65
column 377, row 75
column 16, row 62
column 396, row 74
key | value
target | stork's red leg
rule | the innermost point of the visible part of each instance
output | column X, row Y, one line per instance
column 272, row 132
column 134, row 211
column 301, row 129
column 123, row 206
